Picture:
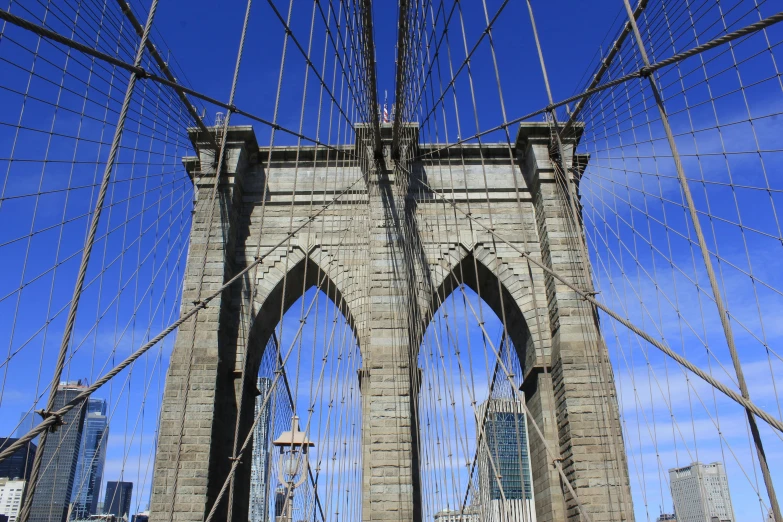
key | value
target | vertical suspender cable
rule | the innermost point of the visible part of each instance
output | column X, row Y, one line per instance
column 368, row 41
column 164, row 68
column 722, row 312
column 603, row 68
column 90, row 242
column 219, row 159
column 602, row 355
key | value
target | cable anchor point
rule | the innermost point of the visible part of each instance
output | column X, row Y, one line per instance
column 58, row 419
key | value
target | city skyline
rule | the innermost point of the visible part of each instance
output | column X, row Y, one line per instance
column 484, row 271
column 503, row 418
column 88, row 479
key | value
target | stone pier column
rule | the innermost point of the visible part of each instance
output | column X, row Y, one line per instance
column 208, row 395
column 389, row 378
column 579, row 387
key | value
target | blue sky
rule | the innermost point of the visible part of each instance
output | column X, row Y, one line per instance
column 636, row 227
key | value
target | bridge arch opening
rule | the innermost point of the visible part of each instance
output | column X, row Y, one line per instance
column 513, row 306
column 304, row 357
column 300, row 276
column 475, row 444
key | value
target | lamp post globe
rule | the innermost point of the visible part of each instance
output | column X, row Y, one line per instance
column 293, row 464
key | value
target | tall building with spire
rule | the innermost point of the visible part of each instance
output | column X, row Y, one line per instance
column 92, row 458
column 504, row 463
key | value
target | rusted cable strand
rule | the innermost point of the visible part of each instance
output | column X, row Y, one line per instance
column 51, row 419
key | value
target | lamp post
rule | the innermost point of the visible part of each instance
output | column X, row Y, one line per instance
column 292, row 466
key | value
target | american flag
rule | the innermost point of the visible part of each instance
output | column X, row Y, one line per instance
column 385, row 113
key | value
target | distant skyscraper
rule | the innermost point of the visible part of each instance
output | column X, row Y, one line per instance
column 60, row 456
column 20, row 464
column 259, row 471
column 118, row 499
column 701, row 492
column 505, row 430
column 92, row 458
column 280, row 495
column 27, row 421
column 11, row 492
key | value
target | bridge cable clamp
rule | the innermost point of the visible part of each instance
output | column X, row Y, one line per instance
column 58, row 419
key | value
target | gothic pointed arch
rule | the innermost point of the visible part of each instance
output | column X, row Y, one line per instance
column 284, row 278
column 501, row 286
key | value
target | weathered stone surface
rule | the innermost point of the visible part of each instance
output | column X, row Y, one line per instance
column 388, row 254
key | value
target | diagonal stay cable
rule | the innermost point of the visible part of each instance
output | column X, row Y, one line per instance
column 736, row 397
column 327, row 20
column 465, row 62
column 399, row 89
column 606, row 63
column 306, row 57
column 50, row 420
column 163, row 66
column 238, row 451
column 369, row 57
column 639, row 73
column 142, row 73
column 219, row 159
column 722, row 312
column 71, row 319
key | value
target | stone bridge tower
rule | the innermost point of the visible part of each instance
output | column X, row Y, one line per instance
column 414, row 244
